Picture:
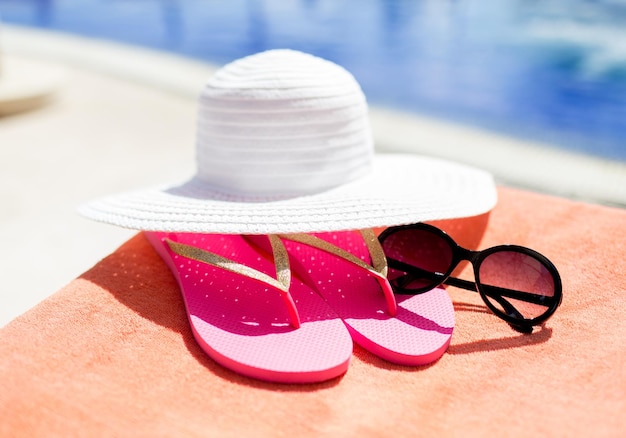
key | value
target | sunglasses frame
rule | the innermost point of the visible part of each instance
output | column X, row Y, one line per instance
column 476, row 258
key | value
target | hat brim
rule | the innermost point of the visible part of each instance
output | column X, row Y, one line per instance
column 401, row 189
column 26, row 84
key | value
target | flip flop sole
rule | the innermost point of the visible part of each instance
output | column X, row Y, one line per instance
column 419, row 333
column 244, row 325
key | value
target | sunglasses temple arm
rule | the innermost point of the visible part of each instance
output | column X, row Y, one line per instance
column 414, row 271
column 470, row 285
column 495, row 292
column 463, row 284
column 506, row 306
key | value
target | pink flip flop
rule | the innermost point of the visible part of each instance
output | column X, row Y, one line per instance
column 349, row 270
column 249, row 315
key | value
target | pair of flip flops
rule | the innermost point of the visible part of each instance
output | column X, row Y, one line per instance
column 287, row 308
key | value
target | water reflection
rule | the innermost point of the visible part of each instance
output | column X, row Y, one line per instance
column 257, row 26
column 553, row 70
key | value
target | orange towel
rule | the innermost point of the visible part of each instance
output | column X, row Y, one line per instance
column 111, row 354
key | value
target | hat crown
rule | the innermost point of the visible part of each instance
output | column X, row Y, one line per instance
column 282, row 124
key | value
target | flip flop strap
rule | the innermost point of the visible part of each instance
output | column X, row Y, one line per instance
column 378, row 268
column 282, row 281
column 379, row 260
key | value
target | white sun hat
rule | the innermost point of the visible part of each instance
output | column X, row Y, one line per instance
column 284, row 145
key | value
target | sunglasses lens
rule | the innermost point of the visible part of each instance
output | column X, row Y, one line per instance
column 428, row 254
column 517, row 284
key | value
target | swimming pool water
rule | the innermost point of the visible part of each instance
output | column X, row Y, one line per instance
column 552, row 71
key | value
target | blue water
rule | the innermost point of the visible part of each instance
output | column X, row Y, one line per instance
column 553, row 71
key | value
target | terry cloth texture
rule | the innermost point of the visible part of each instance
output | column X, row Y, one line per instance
column 111, row 354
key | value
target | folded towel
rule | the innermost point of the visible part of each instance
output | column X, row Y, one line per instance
column 112, row 353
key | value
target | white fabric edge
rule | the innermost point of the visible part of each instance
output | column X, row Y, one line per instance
column 401, row 189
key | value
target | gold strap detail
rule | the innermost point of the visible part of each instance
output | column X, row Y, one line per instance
column 379, row 261
column 283, row 276
column 282, row 282
column 281, row 261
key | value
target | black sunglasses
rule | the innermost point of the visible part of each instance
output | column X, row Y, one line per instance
column 518, row 284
